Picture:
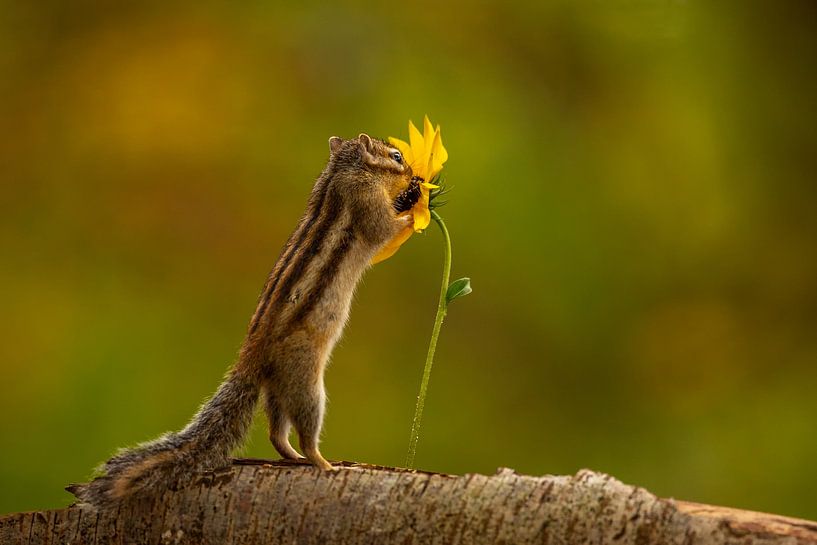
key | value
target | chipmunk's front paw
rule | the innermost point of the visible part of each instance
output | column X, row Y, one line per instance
column 405, row 220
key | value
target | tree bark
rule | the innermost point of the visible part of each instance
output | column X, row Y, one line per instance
column 256, row 501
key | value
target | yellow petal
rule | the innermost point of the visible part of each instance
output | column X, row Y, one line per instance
column 422, row 216
column 438, row 155
column 428, row 132
column 393, row 245
column 418, row 160
column 439, row 150
column 416, row 139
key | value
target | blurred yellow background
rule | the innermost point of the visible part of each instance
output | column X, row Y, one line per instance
column 634, row 198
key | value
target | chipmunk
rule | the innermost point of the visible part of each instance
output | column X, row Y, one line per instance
column 355, row 207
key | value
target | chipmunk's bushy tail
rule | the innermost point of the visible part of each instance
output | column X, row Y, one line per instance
column 175, row 458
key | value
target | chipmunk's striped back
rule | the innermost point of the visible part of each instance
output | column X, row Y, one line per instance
column 299, row 317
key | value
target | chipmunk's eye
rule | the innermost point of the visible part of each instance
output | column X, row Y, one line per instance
column 397, row 156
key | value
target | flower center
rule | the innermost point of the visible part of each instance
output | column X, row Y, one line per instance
column 407, row 198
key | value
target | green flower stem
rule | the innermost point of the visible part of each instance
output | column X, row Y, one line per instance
column 442, row 307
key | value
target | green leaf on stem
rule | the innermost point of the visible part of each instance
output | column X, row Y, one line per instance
column 458, row 288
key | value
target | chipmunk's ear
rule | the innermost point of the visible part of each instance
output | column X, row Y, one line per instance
column 334, row 144
column 366, row 142
column 367, row 149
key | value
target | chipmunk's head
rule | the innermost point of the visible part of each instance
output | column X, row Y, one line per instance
column 375, row 161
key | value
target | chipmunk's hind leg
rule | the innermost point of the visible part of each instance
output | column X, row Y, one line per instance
column 279, row 426
column 307, row 416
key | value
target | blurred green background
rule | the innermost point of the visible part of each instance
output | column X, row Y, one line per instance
column 634, row 199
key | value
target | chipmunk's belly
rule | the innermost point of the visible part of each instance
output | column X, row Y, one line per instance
column 331, row 313
column 328, row 323
column 313, row 318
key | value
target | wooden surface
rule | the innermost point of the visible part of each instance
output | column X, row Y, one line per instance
column 255, row 501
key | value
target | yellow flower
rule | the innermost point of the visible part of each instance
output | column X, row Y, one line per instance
column 425, row 155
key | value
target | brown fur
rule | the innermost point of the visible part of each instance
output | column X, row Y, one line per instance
column 299, row 317
column 122, row 486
